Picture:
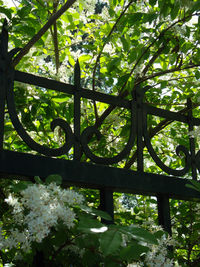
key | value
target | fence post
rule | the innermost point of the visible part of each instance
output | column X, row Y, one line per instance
column 106, row 203
column 164, row 213
column 77, row 112
column 138, row 95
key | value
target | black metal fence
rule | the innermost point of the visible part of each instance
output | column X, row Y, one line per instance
column 99, row 173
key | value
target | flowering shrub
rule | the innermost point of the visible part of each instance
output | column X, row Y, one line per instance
column 50, row 225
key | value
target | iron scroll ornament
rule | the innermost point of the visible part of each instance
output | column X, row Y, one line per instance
column 179, row 149
column 89, row 131
column 69, row 138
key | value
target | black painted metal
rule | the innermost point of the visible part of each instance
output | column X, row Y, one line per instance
column 164, row 212
column 192, row 141
column 77, row 113
column 107, row 203
column 106, row 178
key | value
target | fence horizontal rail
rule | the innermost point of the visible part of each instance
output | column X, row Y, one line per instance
column 70, row 89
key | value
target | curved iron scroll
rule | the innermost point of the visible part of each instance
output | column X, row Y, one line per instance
column 157, row 160
column 69, row 139
column 106, row 160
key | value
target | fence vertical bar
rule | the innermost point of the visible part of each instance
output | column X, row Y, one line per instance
column 3, row 78
column 77, row 112
column 139, row 124
column 107, row 203
column 164, row 218
column 192, row 140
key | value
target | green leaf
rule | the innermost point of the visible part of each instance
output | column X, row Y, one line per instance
column 125, row 44
column 59, row 238
column 139, row 234
column 133, row 252
column 60, row 99
column 54, row 178
column 26, row 29
column 6, row 11
column 104, row 215
column 38, row 180
column 95, row 212
column 197, row 74
column 152, row 2
column 110, row 241
column 24, row 11
column 22, row 185
column 84, row 58
column 113, row 64
column 135, row 18
column 90, row 225
column 175, row 10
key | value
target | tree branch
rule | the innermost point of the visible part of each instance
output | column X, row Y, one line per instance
column 166, row 72
column 55, row 38
column 42, row 31
column 151, row 44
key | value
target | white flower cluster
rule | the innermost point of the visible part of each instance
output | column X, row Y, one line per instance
column 157, row 256
column 39, row 209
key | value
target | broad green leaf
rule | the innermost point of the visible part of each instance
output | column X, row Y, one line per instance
column 20, row 186
column 175, row 10
column 60, row 99
column 110, row 241
column 84, row 58
column 139, row 234
column 104, row 215
column 133, row 252
column 27, row 30
column 24, row 11
column 89, row 225
column 6, row 11
column 125, row 44
column 95, row 212
column 113, row 64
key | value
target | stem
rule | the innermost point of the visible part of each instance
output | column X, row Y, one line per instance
column 55, row 39
column 166, row 72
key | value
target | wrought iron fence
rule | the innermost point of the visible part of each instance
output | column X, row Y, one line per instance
column 106, row 178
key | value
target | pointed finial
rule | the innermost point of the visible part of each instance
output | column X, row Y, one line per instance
column 77, row 75
column 4, row 39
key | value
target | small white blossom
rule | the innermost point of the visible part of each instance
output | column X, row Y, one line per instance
column 45, row 206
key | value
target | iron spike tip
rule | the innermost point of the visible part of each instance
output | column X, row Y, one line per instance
column 77, row 67
column 77, row 64
column 5, row 23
